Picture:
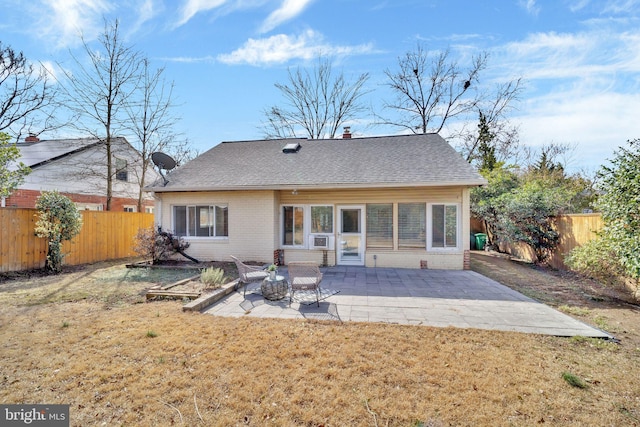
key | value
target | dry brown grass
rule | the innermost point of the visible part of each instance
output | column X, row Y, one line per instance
column 202, row 370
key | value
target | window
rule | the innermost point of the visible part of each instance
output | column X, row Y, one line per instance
column 412, row 225
column 148, row 209
column 380, row 225
column 201, row 221
column 444, row 226
column 293, row 225
column 322, row 219
column 89, row 206
column 121, row 169
column 128, row 208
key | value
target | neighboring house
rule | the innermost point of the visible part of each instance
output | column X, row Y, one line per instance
column 77, row 168
column 396, row 201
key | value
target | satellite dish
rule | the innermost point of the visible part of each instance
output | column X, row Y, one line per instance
column 163, row 161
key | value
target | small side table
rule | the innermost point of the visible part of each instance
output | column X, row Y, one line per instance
column 274, row 289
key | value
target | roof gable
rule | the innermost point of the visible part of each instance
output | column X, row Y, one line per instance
column 406, row 160
column 36, row 154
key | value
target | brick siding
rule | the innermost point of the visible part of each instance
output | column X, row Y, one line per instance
column 27, row 199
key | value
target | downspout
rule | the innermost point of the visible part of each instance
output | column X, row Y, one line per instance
column 157, row 211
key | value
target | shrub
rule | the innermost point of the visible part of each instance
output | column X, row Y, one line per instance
column 212, row 277
column 619, row 203
column 159, row 245
column 58, row 221
column 596, row 259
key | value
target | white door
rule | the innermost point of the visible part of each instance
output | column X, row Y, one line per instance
column 350, row 244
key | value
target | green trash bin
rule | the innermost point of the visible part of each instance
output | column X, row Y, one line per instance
column 481, row 241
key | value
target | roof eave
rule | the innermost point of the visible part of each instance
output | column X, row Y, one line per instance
column 328, row 186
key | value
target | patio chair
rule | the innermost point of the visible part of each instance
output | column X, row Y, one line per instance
column 304, row 276
column 249, row 274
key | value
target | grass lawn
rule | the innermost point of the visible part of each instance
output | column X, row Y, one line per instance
column 86, row 338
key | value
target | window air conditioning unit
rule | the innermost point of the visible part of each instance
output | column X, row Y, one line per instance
column 317, row 241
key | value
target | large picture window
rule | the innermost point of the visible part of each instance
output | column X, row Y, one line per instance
column 201, row 221
column 293, row 225
column 412, row 219
column 380, row 225
column 444, row 226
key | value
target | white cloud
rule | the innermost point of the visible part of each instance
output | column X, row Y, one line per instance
column 188, row 59
column 146, row 11
column 581, row 56
column 598, row 123
column 62, row 21
column 578, row 5
column 530, row 6
column 621, row 6
column 193, row 7
column 50, row 69
column 581, row 87
column 281, row 48
column 288, row 10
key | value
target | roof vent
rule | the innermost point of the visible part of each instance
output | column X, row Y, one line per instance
column 291, row 147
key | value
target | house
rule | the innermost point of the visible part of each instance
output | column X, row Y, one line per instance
column 393, row 201
column 77, row 168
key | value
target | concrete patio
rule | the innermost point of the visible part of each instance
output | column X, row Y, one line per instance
column 462, row 299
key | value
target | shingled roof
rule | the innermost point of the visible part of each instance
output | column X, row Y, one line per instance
column 35, row 154
column 389, row 161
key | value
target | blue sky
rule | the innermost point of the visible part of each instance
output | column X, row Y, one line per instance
column 580, row 59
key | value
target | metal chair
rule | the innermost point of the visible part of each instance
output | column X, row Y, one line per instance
column 249, row 274
column 304, row 276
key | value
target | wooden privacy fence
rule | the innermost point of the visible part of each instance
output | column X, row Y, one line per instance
column 104, row 236
column 574, row 230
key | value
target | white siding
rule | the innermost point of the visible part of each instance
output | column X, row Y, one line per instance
column 86, row 173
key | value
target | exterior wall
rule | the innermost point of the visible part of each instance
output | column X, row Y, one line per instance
column 254, row 224
column 82, row 177
column 315, row 255
column 27, row 199
column 400, row 258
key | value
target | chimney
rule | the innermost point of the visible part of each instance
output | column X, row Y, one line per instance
column 347, row 132
column 32, row 138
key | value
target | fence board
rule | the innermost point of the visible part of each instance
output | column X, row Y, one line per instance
column 574, row 230
column 104, row 236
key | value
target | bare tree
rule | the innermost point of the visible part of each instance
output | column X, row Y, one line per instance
column 27, row 96
column 493, row 108
column 97, row 92
column 317, row 103
column 431, row 89
column 152, row 121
